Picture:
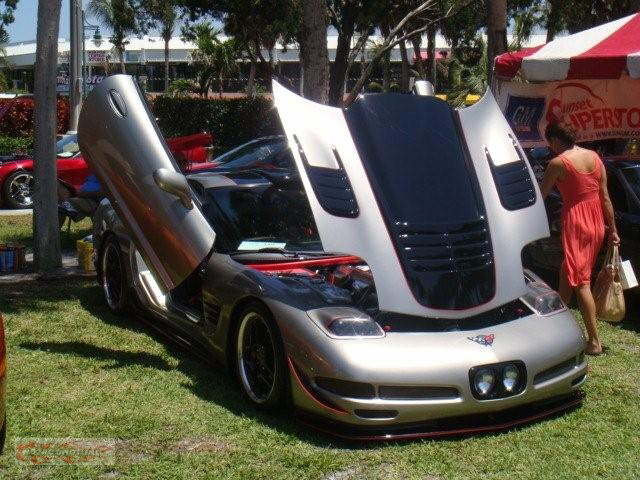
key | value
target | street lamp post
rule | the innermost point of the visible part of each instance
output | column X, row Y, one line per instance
column 75, row 61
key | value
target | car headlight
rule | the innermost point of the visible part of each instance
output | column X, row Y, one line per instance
column 510, row 377
column 345, row 323
column 484, row 381
column 542, row 299
column 498, row 380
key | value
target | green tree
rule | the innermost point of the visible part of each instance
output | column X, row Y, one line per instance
column 7, row 9
column 216, row 58
column 164, row 14
column 579, row 15
column 257, row 26
column 120, row 17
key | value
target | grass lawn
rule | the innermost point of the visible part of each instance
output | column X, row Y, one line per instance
column 75, row 370
column 18, row 229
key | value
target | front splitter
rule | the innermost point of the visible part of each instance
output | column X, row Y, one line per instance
column 446, row 427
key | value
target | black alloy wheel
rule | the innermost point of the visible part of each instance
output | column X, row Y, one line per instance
column 113, row 276
column 260, row 360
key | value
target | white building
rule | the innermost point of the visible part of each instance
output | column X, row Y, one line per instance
column 145, row 56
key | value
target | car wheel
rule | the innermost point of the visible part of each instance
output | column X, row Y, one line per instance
column 260, row 361
column 113, row 276
column 17, row 190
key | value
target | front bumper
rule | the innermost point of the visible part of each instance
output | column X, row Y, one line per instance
column 445, row 427
column 551, row 348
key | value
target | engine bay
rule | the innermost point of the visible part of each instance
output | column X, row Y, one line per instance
column 342, row 280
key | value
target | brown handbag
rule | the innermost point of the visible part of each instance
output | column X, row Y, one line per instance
column 607, row 292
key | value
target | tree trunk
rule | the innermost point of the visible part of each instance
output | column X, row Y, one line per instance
column 386, row 60
column 166, row 64
column 220, row 84
column 45, row 221
column 314, row 53
column 404, row 78
column 416, row 41
column 431, row 53
column 496, row 33
column 121, row 58
column 251, row 82
column 553, row 19
column 340, row 65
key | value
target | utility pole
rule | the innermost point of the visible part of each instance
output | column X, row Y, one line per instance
column 75, row 62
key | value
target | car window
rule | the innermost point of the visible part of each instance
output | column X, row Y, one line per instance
column 632, row 176
column 255, row 156
column 67, row 146
column 617, row 193
column 261, row 217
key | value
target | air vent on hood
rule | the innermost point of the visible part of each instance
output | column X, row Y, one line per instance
column 331, row 186
column 448, row 262
column 513, row 182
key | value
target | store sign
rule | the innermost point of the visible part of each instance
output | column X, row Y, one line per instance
column 592, row 109
column 63, row 80
column 96, row 56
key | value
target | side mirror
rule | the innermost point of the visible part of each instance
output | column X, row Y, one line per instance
column 174, row 183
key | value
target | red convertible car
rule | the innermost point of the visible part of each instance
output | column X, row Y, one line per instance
column 192, row 152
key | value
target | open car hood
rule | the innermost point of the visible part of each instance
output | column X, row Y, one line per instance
column 438, row 202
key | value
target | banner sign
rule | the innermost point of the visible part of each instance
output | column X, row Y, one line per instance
column 592, row 109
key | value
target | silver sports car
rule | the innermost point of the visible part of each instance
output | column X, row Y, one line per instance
column 376, row 286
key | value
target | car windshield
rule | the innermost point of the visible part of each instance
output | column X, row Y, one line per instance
column 252, row 154
column 632, row 175
column 261, row 218
column 67, row 146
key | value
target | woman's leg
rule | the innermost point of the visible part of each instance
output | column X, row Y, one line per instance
column 564, row 289
column 588, row 309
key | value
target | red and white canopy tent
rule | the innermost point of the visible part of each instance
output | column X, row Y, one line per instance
column 589, row 80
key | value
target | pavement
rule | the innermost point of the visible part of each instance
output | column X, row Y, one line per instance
column 9, row 212
column 69, row 269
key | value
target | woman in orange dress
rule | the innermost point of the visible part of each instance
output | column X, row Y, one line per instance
column 582, row 180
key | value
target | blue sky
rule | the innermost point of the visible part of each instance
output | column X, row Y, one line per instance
column 24, row 28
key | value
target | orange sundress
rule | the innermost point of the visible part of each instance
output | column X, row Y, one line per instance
column 582, row 220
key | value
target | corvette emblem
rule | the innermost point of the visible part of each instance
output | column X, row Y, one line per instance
column 486, row 340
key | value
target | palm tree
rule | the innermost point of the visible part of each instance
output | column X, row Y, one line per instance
column 216, row 58
column 165, row 13
column 119, row 16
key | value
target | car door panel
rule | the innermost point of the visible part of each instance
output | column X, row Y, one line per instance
column 123, row 146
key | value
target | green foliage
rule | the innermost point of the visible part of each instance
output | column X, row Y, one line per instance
column 394, row 88
column 11, row 145
column 231, row 121
column 181, row 87
column 578, row 15
column 214, row 58
column 120, row 16
column 5, row 85
column 374, row 87
column 7, row 9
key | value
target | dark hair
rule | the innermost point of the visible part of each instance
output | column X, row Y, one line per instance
column 564, row 134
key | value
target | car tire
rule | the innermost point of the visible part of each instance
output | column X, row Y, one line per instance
column 260, row 361
column 113, row 277
column 17, row 190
